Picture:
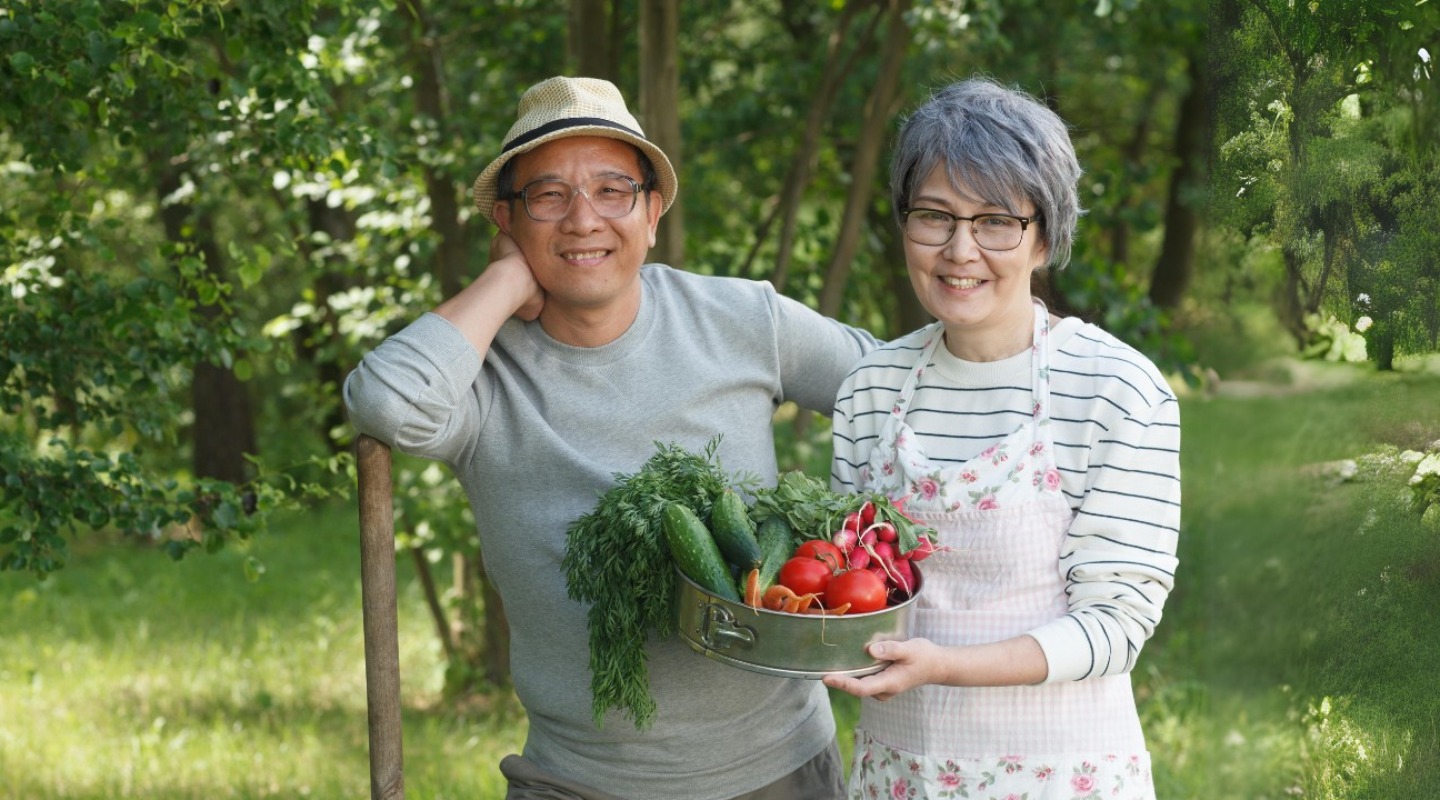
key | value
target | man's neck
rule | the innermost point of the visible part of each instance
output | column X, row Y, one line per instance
column 590, row 326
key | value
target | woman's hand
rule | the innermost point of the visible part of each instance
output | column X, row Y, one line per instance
column 1018, row 661
column 915, row 662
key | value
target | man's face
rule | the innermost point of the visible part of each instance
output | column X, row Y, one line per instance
column 584, row 261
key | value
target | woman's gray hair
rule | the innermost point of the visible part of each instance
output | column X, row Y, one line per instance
column 1001, row 146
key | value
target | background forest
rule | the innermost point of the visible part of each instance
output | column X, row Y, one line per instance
column 213, row 208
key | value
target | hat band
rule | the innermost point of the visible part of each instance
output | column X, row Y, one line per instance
column 561, row 124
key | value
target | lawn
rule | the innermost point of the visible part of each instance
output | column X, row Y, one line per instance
column 127, row 675
column 1296, row 658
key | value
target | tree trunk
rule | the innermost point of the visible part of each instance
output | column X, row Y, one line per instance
column 1175, row 265
column 587, row 41
column 660, row 111
column 1292, row 300
column 311, row 340
column 433, row 103
column 451, row 258
column 803, row 158
column 223, row 431
column 879, row 109
column 1131, row 158
column 909, row 314
column 1381, row 346
column 495, row 662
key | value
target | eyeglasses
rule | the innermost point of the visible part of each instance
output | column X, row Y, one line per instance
column 548, row 200
column 931, row 227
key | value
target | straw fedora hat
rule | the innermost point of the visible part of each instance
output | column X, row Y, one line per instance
column 561, row 107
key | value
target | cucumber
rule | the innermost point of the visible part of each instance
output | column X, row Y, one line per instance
column 776, row 545
column 695, row 551
column 734, row 532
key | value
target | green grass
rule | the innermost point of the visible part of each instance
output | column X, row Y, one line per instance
column 1296, row 657
column 129, row 676
column 1296, row 587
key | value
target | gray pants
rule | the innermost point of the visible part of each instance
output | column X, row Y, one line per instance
column 820, row 778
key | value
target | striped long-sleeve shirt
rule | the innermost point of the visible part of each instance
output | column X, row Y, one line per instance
column 1116, row 430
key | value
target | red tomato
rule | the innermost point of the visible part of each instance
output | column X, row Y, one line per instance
column 804, row 575
column 861, row 588
column 823, row 551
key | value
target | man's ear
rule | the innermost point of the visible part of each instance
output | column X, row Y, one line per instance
column 654, row 207
column 502, row 215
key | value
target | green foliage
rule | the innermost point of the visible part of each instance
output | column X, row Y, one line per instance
column 1114, row 298
column 1318, row 151
column 108, row 311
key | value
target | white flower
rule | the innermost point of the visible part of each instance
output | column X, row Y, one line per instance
column 1363, row 324
column 1429, row 466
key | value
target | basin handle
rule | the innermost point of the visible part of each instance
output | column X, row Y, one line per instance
column 720, row 631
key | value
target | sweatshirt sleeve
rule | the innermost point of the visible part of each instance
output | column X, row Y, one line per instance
column 1119, row 555
column 816, row 352
column 417, row 390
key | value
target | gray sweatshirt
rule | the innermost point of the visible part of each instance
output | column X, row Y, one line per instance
column 536, row 432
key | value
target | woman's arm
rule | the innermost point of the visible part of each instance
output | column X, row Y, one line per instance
column 916, row 662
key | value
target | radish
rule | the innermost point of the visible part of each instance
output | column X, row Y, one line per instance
column 867, row 514
column 858, row 558
column 903, row 577
column 885, row 532
column 922, row 551
column 845, row 539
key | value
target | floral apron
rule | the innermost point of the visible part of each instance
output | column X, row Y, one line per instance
column 1001, row 520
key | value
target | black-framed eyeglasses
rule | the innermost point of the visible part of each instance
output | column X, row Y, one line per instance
column 549, row 199
column 932, row 227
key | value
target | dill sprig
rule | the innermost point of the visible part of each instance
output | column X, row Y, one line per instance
column 616, row 559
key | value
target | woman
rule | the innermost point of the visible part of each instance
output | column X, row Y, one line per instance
column 1045, row 453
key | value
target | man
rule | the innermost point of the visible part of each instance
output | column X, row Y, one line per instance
column 563, row 364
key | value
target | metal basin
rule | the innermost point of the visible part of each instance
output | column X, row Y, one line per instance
column 787, row 645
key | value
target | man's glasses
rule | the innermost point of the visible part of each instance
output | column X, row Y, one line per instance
column 931, row 227
column 548, row 200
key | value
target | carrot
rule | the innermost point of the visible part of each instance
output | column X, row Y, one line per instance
column 829, row 612
column 778, row 596
column 799, row 604
column 752, row 588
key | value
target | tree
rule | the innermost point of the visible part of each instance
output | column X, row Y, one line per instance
column 1308, row 147
column 659, row 100
column 109, row 318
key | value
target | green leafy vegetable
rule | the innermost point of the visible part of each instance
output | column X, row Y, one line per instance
column 816, row 512
column 812, row 510
column 616, row 559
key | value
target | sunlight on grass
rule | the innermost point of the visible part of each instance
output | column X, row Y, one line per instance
column 1296, row 585
column 127, row 676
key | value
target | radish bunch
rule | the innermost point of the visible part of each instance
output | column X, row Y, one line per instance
column 870, row 538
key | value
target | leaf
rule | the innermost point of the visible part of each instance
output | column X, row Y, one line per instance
column 254, row 568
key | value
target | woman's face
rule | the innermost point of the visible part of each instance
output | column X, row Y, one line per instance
column 982, row 296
